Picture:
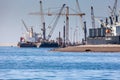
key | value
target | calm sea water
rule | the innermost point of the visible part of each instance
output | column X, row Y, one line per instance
column 42, row 64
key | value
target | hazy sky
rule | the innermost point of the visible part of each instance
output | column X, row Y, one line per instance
column 12, row 11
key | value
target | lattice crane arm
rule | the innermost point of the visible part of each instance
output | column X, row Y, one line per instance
column 25, row 26
column 55, row 23
column 81, row 21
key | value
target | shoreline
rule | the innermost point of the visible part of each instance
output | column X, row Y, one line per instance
column 8, row 44
column 90, row 48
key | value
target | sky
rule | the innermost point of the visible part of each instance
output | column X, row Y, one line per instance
column 12, row 11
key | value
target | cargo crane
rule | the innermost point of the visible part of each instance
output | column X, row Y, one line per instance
column 81, row 22
column 25, row 26
column 67, row 14
column 55, row 23
column 42, row 21
column 30, row 31
column 79, row 10
column 114, row 16
column 92, row 17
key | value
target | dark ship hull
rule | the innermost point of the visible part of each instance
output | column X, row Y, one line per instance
column 39, row 45
column 48, row 44
column 104, row 40
column 20, row 44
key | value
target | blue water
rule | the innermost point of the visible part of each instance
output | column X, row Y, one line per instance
column 43, row 64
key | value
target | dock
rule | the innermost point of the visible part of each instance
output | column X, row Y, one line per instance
column 90, row 48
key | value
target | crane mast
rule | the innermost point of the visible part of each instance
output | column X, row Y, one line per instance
column 67, row 25
column 92, row 17
column 42, row 21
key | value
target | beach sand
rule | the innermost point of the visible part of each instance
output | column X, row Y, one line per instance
column 8, row 44
column 90, row 48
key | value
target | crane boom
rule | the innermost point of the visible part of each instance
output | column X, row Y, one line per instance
column 67, row 14
column 114, row 7
column 50, row 14
column 55, row 23
column 113, row 11
column 25, row 26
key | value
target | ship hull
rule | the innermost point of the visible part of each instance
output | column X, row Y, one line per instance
column 49, row 45
column 104, row 40
column 26, row 44
column 39, row 45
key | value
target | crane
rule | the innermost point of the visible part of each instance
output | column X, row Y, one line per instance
column 25, row 26
column 67, row 25
column 114, row 12
column 79, row 10
column 42, row 21
column 67, row 14
column 92, row 17
column 55, row 23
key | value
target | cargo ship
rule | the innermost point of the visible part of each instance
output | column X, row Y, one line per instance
column 109, row 30
column 33, row 39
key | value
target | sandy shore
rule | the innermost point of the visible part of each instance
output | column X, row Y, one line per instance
column 8, row 44
column 92, row 48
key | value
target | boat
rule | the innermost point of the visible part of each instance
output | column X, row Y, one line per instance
column 26, row 44
column 109, row 30
column 33, row 39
